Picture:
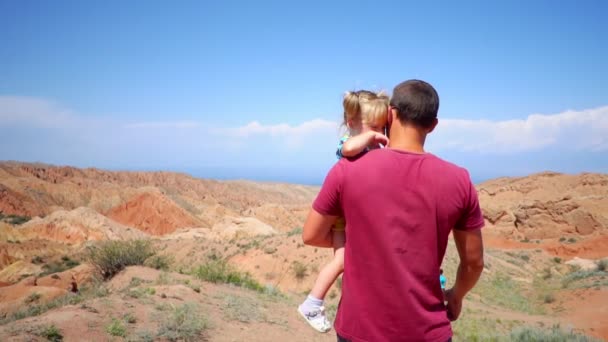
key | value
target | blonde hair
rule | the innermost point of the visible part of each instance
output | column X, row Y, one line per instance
column 374, row 112
column 365, row 106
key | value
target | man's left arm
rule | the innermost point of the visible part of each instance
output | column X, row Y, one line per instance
column 317, row 229
column 325, row 210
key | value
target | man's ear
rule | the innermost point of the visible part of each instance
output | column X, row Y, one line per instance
column 432, row 128
column 390, row 116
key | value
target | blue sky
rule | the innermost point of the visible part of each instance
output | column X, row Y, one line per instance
column 253, row 89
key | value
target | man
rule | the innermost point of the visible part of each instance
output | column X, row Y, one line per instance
column 400, row 204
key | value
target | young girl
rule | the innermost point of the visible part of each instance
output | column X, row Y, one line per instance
column 365, row 116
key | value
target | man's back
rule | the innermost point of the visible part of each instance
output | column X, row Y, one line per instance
column 397, row 229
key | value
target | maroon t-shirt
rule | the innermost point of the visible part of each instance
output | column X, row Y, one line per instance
column 399, row 208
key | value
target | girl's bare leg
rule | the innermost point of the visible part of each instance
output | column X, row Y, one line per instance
column 331, row 271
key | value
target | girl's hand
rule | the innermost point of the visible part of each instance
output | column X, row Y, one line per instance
column 375, row 139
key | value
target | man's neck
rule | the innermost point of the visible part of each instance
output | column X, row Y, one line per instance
column 407, row 138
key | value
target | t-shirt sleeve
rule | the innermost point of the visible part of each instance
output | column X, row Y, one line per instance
column 471, row 217
column 340, row 145
column 328, row 201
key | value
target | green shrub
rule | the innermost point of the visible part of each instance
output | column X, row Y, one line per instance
column 69, row 263
column 549, row 298
column 557, row 260
column 116, row 328
column 562, row 239
column 111, row 257
column 555, row 334
column 242, row 309
column 59, row 266
column 129, row 318
column 37, row 260
column 184, row 323
column 51, row 333
column 299, row 270
column 159, row 262
column 17, row 220
column 602, row 265
column 93, row 290
column 34, row 297
column 219, row 271
column 572, row 240
column 580, row 275
column 295, row 231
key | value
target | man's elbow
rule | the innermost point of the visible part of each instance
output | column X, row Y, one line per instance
column 307, row 238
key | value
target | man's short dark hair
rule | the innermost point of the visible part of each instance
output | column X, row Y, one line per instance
column 417, row 102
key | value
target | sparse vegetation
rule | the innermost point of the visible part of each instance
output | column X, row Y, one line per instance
column 58, row 266
column 111, row 257
column 555, row 334
column 299, row 270
column 68, row 262
column 503, row 291
column 219, row 271
column 37, row 260
column 579, row 275
column 571, row 240
column 270, row 250
column 184, row 323
column 602, row 265
column 89, row 291
column 116, row 328
column 557, row 260
column 141, row 292
column 547, row 274
column 548, row 298
column 163, row 279
column 33, row 298
column 144, row 336
column 295, row 231
column 129, row 318
column 562, row 239
column 159, row 262
column 14, row 219
column 242, row 309
column 51, row 333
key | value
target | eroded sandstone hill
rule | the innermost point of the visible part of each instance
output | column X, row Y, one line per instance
column 50, row 215
column 546, row 205
column 154, row 202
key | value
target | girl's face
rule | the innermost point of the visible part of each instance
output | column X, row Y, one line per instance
column 355, row 127
column 376, row 127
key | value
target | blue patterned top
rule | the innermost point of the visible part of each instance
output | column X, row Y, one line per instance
column 340, row 144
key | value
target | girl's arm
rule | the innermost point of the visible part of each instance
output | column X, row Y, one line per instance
column 357, row 144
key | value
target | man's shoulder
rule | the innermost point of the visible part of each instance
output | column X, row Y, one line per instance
column 448, row 167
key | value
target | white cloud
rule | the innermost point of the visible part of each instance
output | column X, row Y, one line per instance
column 306, row 128
column 164, row 124
column 585, row 130
column 580, row 130
column 32, row 111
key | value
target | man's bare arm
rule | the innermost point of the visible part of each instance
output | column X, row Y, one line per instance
column 317, row 229
column 470, row 250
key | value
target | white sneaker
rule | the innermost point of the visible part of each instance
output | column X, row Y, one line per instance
column 316, row 319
